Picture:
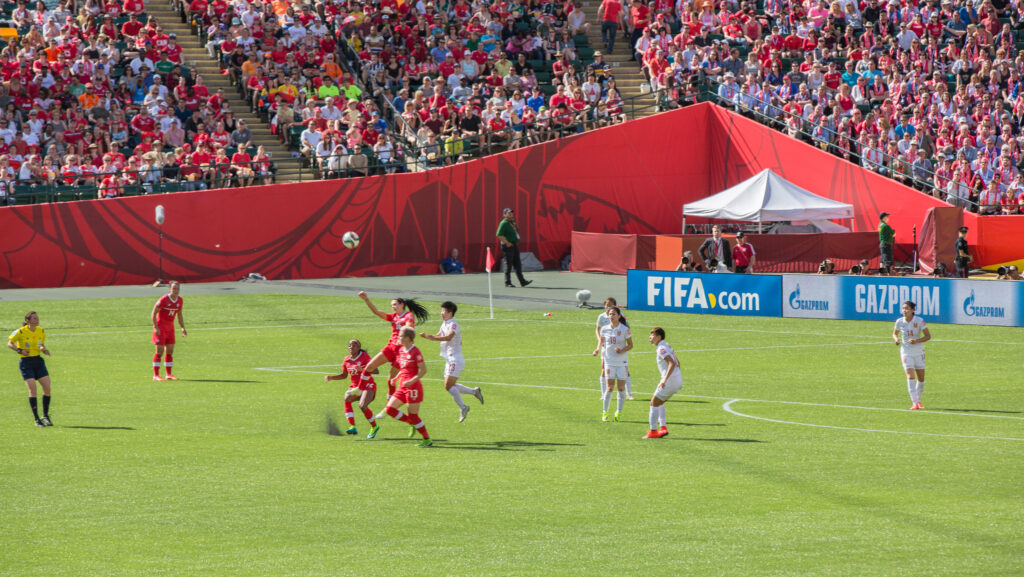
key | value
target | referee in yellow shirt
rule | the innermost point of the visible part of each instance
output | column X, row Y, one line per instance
column 29, row 341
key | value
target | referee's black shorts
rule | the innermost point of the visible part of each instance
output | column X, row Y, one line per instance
column 33, row 368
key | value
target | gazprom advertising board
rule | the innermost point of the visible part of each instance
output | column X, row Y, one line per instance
column 704, row 293
column 879, row 298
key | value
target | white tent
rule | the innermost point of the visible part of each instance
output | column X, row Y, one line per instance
column 767, row 197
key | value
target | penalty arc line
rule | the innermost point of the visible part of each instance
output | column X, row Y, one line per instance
column 727, row 407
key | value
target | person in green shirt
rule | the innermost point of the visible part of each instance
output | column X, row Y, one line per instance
column 508, row 234
column 328, row 89
column 352, row 92
column 886, row 236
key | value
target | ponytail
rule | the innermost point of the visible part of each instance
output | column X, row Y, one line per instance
column 622, row 317
column 28, row 315
column 418, row 310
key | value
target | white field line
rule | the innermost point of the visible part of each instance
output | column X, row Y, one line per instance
column 488, row 320
column 727, row 407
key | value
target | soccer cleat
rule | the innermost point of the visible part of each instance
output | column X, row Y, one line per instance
column 918, row 406
column 463, row 411
column 426, row 443
column 157, row 378
column 652, row 435
column 629, row 397
column 171, row 377
column 46, row 421
column 618, row 416
column 351, row 431
column 39, row 423
column 373, row 432
column 604, row 416
column 662, row 432
column 479, row 395
column 914, row 407
column 412, row 431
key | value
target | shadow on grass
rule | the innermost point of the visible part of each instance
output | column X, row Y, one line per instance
column 671, row 438
column 678, row 424
column 492, row 445
column 96, row 428
column 979, row 411
column 216, row 381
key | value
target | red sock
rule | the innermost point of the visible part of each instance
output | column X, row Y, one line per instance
column 417, row 422
column 349, row 415
column 369, row 417
column 394, row 413
column 168, row 362
column 156, row 365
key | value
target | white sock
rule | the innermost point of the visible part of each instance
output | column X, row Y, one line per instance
column 604, row 384
column 912, row 389
column 920, row 390
column 629, row 386
column 464, row 389
column 620, row 398
column 663, row 417
column 606, row 399
column 457, row 396
column 653, row 417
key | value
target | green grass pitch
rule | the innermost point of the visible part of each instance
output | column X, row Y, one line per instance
column 817, row 468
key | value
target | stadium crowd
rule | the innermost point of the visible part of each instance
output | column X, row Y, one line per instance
column 929, row 93
column 95, row 94
column 354, row 84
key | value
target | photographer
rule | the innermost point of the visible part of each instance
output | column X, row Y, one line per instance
column 827, row 267
column 689, row 264
column 865, row 267
column 1008, row 273
column 940, row 271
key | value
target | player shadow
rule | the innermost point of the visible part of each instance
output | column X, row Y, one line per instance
column 671, row 438
column 96, row 428
column 678, row 424
column 495, row 445
column 979, row 411
column 217, row 381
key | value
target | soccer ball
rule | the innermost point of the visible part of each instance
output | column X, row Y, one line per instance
column 350, row 239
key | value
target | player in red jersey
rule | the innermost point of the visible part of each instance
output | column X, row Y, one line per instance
column 405, row 313
column 164, row 312
column 411, row 369
column 362, row 388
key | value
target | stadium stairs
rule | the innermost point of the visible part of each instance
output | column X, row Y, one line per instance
column 626, row 70
column 195, row 55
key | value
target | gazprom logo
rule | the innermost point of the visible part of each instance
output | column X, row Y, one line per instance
column 688, row 292
column 798, row 304
column 973, row 310
column 881, row 298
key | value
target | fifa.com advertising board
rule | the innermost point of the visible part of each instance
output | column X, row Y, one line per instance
column 954, row 301
column 704, row 293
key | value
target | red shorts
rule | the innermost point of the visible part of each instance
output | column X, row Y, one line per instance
column 166, row 336
column 391, row 353
column 364, row 385
column 409, row 395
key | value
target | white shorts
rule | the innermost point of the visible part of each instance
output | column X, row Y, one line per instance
column 619, row 372
column 913, row 361
column 454, row 368
column 671, row 387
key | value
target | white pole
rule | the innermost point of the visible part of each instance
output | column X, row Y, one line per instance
column 490, row 294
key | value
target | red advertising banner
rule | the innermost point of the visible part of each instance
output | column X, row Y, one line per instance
column 631, row 178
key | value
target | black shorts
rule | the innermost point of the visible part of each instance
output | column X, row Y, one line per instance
column 33, row 368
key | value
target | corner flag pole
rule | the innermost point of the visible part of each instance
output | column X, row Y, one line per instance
column 489, row 265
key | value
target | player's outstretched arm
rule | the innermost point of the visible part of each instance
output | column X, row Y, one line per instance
column 373, row 309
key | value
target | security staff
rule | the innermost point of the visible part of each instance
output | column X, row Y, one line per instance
column 963, row 256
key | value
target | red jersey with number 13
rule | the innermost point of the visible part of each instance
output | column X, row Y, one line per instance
column 398, row 322
column 408, row 363
column 168, row 309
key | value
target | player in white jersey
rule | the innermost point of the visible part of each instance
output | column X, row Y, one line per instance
column 616, row 342
column 450, row 337
column 910, row 334
column 670, row 384
column 602, row 321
